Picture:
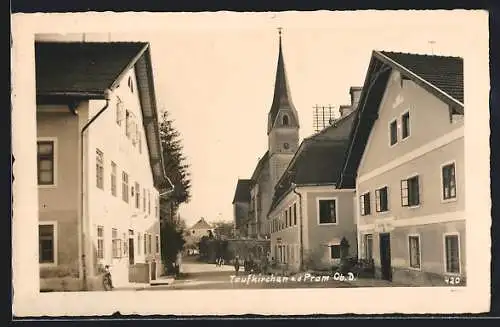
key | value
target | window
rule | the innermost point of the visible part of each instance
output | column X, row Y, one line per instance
column 47, row 243
column 405, row 121
column 145, row 243
column 335, row 251
column 119, row 112
column 414, row 249
column 290, row 222
column 295, row 214
column 368, row 246
column 116, row 244
column 144, row 199
column 327, row 211
column 45, row 162
column 125, row 187
column 125, row 244
column 286, row 218
column 100, row 242
column 364, row 204
column 149, row 202
column 410, row 192
column 139, row 141
column 449, row 182
column 381, row 204
column 149, row 243
column 128, row 125
column 452, row 254
column 285, row 120
column 137, row 195
column 130, row 84
column 393, row 130
column 139, row 243
column 157, row 244
column 99, row 169
column 113, row 178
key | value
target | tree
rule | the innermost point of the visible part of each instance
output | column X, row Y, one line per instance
column 175, row 166
column 172, row 242
column 224, row 229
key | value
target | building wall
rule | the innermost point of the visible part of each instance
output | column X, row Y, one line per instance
column 241, row 213
column 429, row 117
column 107, row 210
column 434, row 140
column 318, row 236
column 264, row 196
column 58, row 203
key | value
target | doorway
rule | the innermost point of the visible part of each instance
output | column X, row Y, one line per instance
column 131, row 250
column 385, row 256
column 153, row 270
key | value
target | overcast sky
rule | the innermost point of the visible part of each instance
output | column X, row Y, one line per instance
column 215, row 75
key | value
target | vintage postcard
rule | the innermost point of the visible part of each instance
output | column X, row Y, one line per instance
column 228, row 163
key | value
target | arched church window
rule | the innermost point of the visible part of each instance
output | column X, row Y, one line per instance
column 285, row 120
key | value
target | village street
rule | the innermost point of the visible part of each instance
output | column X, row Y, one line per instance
column 198, row 275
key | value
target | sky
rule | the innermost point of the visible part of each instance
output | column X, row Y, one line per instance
column 215, row 75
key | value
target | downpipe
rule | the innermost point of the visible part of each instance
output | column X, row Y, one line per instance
column 301, row 237
column 82, row 197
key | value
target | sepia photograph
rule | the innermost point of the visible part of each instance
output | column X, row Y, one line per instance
column 204, row 157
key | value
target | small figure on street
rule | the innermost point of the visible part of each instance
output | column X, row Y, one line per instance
column 236, row 264
column 107, row 281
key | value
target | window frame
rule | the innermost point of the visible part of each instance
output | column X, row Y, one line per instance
column 365, row 238
column 407, row 179
column 330, row 249
column 378, row 202
column 54, row 142
column 114, row 179
column 405, row 113
column 54, row 225
column 445, row 261
column 318, row 215
column 362, row 204
column 100, row 255
column 115, row 239
column 391, row 122
column 409, row 237
column 442, row 166
column 137, row 195
column 157, row 244
column 125, row 187
column 99, row 168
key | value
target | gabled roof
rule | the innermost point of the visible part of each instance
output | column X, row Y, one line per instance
column 440, row 75
column 319, row 159
column 201, row 224
column 75, row 71
column 242, row 193
column 282, row 96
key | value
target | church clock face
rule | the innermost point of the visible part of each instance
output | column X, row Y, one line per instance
column 286, row 146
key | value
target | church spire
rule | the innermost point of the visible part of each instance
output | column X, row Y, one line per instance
column 281, row 98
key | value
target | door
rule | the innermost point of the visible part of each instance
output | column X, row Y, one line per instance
column 385, row 256
column 131, row 251
column 153, row 270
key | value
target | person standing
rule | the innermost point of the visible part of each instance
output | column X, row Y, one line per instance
column 236, row 264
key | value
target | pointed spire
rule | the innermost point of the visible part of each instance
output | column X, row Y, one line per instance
column 281, row 96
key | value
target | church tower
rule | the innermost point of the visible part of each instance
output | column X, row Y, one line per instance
column 282, row 123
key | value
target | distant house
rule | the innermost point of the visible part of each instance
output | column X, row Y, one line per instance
column 198, row 230
column 242, row 206
column 310, row 215
column 406, row 161
column 100, row 164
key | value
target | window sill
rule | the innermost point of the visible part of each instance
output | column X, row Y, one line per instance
column 385, row 212
column 48, row 265
column 327, row 224
column 454, row 274
column 448, row 200
column 47, row 186
column 415, row 269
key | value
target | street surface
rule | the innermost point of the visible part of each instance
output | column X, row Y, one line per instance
column 198, row 275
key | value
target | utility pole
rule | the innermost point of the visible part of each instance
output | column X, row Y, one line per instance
column 432, row 46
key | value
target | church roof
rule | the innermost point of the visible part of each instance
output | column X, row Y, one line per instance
column 242, row 193
column 260, row 166
column 282, row 96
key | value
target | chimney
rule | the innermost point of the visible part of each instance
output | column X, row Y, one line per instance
column 345, row 110
column 355, row 92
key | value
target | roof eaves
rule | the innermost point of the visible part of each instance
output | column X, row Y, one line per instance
column 419, row 80
column 131, row 64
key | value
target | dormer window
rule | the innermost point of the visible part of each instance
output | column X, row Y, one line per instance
column 285, row 120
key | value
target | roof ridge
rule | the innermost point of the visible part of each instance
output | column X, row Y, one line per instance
column 421, row 54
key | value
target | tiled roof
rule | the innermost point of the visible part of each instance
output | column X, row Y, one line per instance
column 81, row 68
column 201, row 224
column 260, row 165
column 242, row 193
column 319, row 159
column 444, row 72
